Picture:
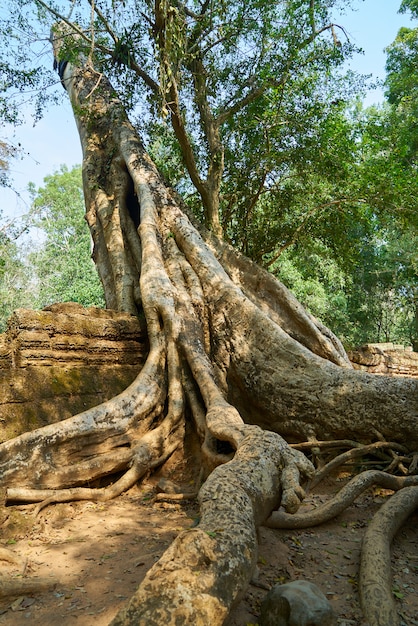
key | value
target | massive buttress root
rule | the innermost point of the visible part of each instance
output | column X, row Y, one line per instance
column 230, row 350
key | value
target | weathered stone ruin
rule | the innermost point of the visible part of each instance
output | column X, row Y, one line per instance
column 62, row 360
column 65, row 359
column 386, row 358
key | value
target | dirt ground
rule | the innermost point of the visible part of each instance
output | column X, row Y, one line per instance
column 99, row 553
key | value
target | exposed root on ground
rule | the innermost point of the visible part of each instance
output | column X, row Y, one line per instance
column 141, row 464
column 204, row 571
column 176, row 497
column 354, row 453
column 11, row 557
column 325, row 445
column 376, row 597
column 10, row 587
column 344, row 498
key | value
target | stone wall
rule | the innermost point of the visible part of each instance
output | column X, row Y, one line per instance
column 63, row 360
column 385, row 358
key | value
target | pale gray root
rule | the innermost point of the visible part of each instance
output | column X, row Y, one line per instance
column 176, row 497
column 375, row 585
column 354, row 453
column 344, row 498
column 15, row 559
column 277, row 382
column 206, row 569
column 148, row 451
column 274, row 299
column 144, row 460
column 92, row 444
column 214, row 344
column 10, row 587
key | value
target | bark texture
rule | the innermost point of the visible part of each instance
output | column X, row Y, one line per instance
column 376, row 596
column 232, row 355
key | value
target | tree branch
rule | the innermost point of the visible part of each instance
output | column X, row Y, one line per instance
column 186, row 10
column 238, row 106
column 104, row 21
column 302, row 225
column 111, row 53
column 312, row 15
column 258, row 91
column 176, row 116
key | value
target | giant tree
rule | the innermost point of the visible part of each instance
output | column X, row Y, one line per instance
column 233, row 357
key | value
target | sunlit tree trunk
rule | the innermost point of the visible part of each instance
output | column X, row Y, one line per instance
column 233, row 356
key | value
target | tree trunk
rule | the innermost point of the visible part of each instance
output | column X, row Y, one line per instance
column 232, row 355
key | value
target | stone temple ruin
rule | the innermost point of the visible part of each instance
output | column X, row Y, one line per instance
column 385, row 358
column 65, row 359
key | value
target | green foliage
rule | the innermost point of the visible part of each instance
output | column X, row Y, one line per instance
column 23, row 75
column 401, row 67
column 63, row 263
column 368, row 237
column 59, row 269
column 306, row 192
column 8, row 152
column 164, row 150
column 16, row 284
column 250, row 95
column 374, row 300
column 319, row 283
column 383, row 300
column 402, row 90
column 409, row 5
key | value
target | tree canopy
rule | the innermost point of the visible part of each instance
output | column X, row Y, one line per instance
column 248, row 75
column 236, row 367
column 62, row 263
column 248, row 110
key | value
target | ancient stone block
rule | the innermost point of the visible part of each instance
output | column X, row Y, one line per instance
column 63, row 360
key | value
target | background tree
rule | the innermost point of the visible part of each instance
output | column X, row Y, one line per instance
column 17, row 287
column 56, row 265
column 62, row 263
column 371, row 294
column 234, row 360
column 382, row 300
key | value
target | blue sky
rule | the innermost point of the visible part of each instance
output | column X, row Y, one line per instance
column 372, row 25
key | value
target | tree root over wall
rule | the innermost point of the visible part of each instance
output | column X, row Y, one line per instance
column 233, row 356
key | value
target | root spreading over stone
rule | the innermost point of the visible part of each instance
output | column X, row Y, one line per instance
column 233, row 358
